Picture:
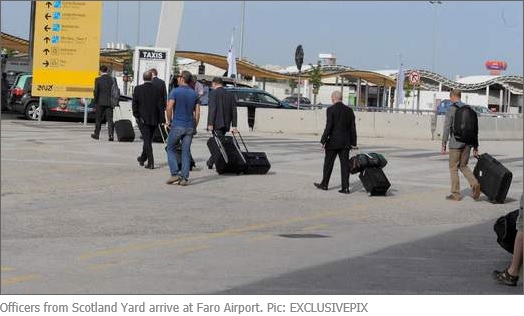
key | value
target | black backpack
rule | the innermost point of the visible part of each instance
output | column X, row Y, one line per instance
column 506, row 229
column 115, row 93
column 465, row 124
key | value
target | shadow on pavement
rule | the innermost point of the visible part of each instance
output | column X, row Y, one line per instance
column 457, row 262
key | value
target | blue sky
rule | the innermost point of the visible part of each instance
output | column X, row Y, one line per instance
column 363, row 34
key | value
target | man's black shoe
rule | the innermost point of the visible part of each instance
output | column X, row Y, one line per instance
column 320, row 186
column 148, row 166
column 140, row 161
column 345, row 191
column 94, row 136
column 209, row 165
column 111, row 139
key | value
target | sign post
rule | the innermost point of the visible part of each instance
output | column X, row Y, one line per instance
column 414, row 79
column 299, row 59
column 66, row 49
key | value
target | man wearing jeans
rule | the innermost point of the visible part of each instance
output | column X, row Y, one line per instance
column 183, row 101
column 458, row 152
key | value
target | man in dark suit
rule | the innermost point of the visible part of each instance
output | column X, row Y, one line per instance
column 340, row 135
column 222, row 112
column 160, row 85
column 149, row 112
column 102, row 101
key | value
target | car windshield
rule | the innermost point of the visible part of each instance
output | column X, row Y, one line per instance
column 265, row 98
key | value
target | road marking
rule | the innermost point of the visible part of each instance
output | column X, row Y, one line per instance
column 193, row 249
column 313, row 228
column 48, row 161
column 261, row 238
column 19, row 279
column 250, row 228
column 6, row 269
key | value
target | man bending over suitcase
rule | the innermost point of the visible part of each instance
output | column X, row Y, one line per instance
column 458, row 151
column 183, row 102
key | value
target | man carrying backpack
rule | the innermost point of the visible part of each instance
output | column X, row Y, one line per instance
column 461, row 127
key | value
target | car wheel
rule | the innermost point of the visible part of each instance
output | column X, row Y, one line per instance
column 32, row 112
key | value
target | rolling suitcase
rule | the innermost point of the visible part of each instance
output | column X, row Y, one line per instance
column 494, row 178
column 257, row 162
column 160, row 135
column 124, row 131
column 375, row 181
column 123, row 127
column 163, row 133
column 226, row 155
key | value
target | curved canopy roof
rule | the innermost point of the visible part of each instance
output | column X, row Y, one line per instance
column 15, row 43
column 250, row 69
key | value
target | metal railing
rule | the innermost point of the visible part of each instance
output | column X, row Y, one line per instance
column 427, row 112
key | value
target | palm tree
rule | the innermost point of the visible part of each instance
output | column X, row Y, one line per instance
column 293, row 85
column 316, row 80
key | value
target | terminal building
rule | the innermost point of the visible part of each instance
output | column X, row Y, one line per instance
column 360, row 88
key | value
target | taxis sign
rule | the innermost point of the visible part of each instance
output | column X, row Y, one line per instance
column 66, row 48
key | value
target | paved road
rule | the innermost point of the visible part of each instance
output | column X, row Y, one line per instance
column 80, row 216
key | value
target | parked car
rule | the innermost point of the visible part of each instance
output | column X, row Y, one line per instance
column 255, row 98
column 23, row 102
column 21, row 85
column 485, row 111
column 294, row 100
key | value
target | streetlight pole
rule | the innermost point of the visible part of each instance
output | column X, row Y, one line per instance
column 435, row 4
column 242, row 30
column 117, row 20
column 138, row 26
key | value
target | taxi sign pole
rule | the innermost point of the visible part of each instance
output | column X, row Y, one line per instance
column 85, row 114
column 40, row 110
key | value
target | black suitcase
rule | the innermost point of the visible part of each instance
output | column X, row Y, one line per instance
column 226, row 155
column 163, row 132
column 124, row 131
column 160, row 135
column 257, row 162
column 494, row 178
column 375, row 181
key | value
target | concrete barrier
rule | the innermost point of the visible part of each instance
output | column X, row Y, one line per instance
column 378, row 124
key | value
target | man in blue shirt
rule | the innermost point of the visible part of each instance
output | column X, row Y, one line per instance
column 183, row 102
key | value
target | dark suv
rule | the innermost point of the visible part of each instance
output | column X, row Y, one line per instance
column 258, row 99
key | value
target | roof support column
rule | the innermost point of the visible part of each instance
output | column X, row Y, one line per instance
column 359, row 85
column 509, row 101
column 501, row 100
column 342, row 87
column 367, row 94
column 487, row 96
column 389, row 98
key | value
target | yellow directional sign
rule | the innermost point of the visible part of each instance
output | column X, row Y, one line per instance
column 66, row 49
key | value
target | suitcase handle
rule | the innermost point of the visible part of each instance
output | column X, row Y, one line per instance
column 237, row 146
column 162, row 134
column 241, row 138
